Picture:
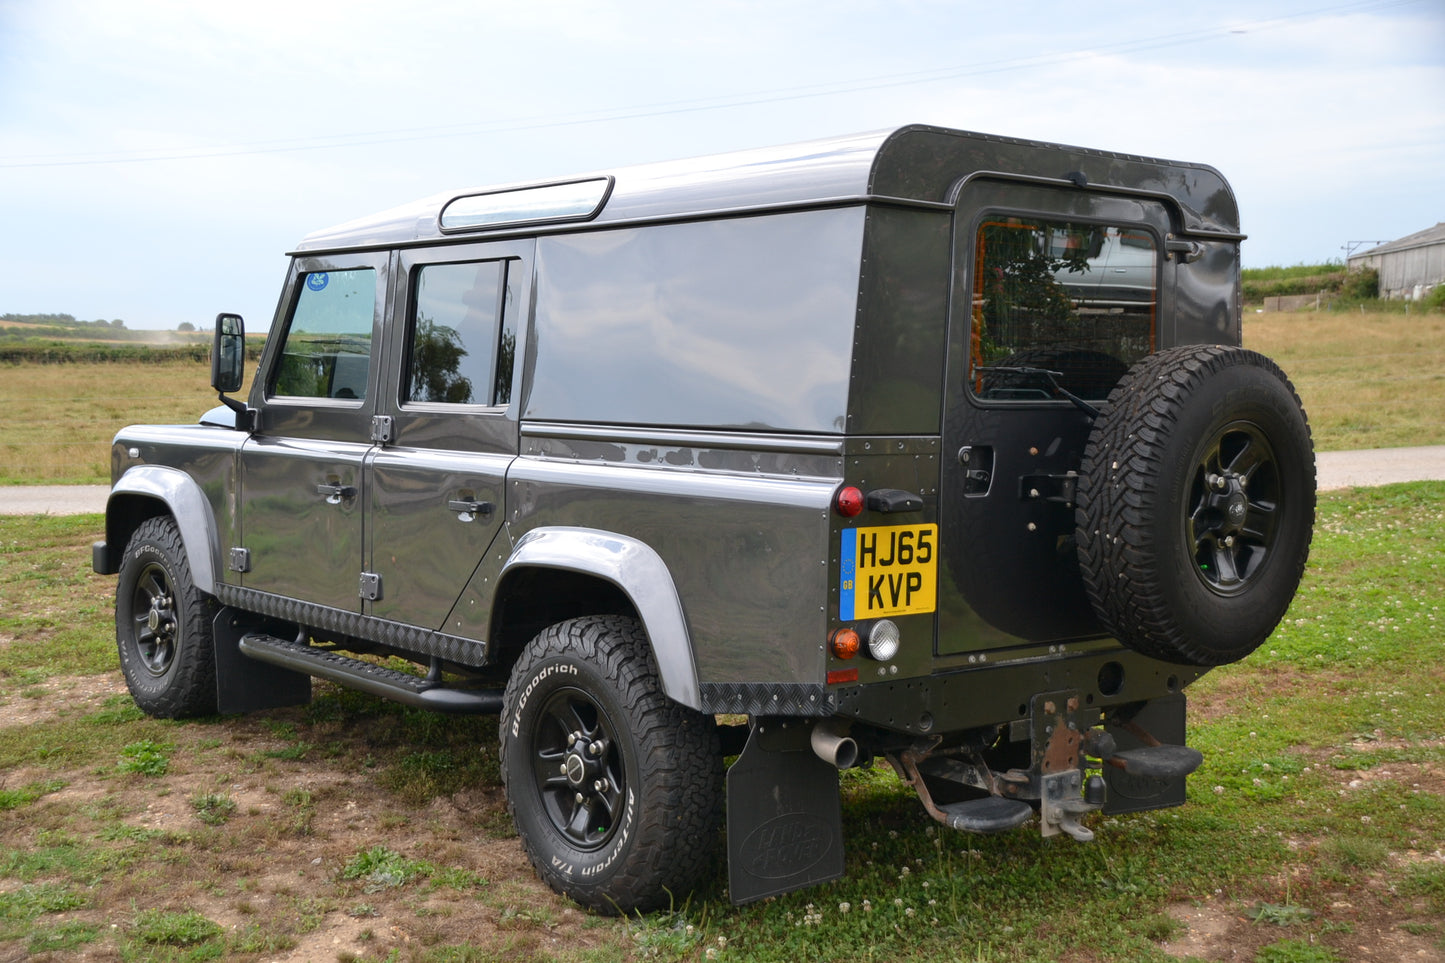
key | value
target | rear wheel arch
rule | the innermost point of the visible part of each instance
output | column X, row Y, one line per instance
column 559, row 573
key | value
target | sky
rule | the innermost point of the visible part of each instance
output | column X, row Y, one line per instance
column 159, row 157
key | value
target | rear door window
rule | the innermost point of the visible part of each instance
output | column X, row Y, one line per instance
column 1075, row 300
column 460, row 352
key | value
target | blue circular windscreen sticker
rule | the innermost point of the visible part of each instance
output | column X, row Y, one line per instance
column 317, row 282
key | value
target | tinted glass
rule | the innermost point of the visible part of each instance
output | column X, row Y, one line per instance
column 457, row 338
column 1074, row 299
column 741, row 323
column 327, row 351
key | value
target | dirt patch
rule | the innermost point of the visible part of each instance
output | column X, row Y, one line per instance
column 58, row 697
column 272, row 872
column 1364, row 931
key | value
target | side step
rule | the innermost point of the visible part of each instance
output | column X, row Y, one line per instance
column 1158, row 762
column 991, row 814
column 377, row 680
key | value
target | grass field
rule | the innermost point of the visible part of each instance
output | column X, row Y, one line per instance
column 1366, row 380
column 1373, row 380
column 60, row 418
column 355, row 830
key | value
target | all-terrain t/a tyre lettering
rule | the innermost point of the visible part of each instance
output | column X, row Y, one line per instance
column 163, row 625
column 613, row 787
column 1196, row 503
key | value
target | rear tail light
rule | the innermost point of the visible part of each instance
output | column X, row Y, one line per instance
column 849, row 502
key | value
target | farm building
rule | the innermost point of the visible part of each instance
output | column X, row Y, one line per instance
column 1408, row 267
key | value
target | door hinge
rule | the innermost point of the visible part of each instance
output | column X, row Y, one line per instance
column 370, row 588
column 240, row 560
column 1050, row 488
column 381, row 429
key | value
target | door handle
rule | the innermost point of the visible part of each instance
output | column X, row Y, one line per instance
column 467, row 509
column 335, row 493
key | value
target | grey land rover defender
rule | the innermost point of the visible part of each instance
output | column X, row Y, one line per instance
column 922, row 445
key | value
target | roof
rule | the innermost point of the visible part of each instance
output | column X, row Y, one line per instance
column 1426, row 238
column 913, row 164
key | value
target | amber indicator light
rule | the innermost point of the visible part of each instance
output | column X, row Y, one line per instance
column 845, row 643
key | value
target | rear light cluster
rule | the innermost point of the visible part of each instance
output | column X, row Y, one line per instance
column 880, row 639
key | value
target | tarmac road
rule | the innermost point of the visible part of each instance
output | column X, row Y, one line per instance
column 1334, row 469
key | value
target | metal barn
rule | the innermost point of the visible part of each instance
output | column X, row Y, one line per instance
column 1410, row 266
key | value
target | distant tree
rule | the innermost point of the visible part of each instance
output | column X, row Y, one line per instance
column 185, row 326
column 117, row 323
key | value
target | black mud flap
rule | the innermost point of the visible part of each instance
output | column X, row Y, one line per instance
column 785, row 820
column 1164, row 719
column 245, row 685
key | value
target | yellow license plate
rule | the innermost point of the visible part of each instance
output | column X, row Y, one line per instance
column 888, row 570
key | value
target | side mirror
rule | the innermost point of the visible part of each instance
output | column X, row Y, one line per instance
column 228, row 353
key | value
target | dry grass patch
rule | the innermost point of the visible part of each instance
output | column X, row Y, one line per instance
column 60, row 418
column 1368, row 380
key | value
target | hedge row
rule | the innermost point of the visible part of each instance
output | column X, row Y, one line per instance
column 60, row 352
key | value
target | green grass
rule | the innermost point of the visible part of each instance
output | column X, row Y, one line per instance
column 1309, row 828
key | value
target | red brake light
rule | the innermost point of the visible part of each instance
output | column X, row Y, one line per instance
column 850, row 502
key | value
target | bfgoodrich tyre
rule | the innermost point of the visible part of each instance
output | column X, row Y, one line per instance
column 163, row 625
column 615, row 789
column 1196, row 504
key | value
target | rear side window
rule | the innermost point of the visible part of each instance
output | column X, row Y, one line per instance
column 461, row 344
column 741, row 323
column 1078, row 300
column 327, row 348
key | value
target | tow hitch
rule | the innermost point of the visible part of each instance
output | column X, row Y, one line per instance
column 1065, row 742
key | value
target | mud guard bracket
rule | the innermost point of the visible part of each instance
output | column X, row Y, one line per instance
column 784, row 815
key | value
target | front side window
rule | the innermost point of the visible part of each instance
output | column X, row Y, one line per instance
column 327, row 349
column 460, row 351
column 1059, row 304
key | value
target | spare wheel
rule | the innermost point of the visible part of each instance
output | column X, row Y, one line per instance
column 1196, row 503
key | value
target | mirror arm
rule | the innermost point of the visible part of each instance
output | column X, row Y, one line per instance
column 245, row 415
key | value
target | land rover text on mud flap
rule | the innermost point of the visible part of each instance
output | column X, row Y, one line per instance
column 920, row 445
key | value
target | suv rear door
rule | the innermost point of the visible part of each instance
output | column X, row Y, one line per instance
column 1032, row 294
